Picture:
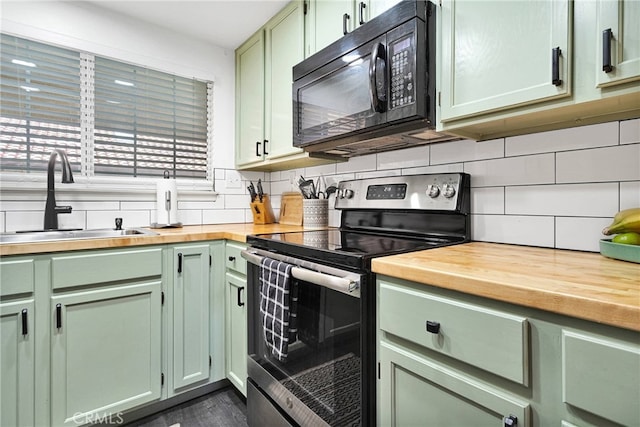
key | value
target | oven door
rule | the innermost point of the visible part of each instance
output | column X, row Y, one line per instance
column 320, row 380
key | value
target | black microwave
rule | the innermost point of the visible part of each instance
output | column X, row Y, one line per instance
column 373, row 89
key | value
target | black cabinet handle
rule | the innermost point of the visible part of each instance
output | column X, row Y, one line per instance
column 555, row 66
column 180, row 263
column 345, row 19
column 240, row 303
column 264, row 147
column 510, row 421
column 607, row 35
column 258, row 149
column 433, row 327
column 232, row 258
column 58, row 316
column 361, row 7
column 377, row 92
column 25, row 323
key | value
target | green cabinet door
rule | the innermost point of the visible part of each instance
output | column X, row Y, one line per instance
column 250, row 100
column 416, row 391
column 236, row 331
column 377, row 7
column 17, row 363
column 621, row 18
column 105, row 351
column 189, row 296
column 284, row 49
column 497, row 55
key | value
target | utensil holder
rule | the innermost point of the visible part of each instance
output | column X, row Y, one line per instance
column 315, row 213
column 262, row 211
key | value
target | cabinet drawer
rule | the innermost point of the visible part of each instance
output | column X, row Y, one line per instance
column 234, row 260
column 601, row 376
column 17, row 276
column 89, row 268
column 489, row 339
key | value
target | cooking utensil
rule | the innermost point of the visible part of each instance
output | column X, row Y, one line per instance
column 308, row 189
column 252, row 191
column 260, row 190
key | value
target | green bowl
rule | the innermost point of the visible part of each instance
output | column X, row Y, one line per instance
column 620, row 251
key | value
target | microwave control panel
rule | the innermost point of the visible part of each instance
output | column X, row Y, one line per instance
column 402, row 54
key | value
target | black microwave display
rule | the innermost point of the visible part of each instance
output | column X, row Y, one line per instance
column 387, row 192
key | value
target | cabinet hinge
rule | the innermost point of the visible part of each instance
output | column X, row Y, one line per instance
column 161, row 298
column 209, row 361
column 162, row 379
column 378, row 370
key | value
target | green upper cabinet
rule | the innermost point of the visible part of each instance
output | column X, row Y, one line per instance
column 328, row 20
column 497, row 55
column 190, row 312
column 618, row 35
column 250, row 100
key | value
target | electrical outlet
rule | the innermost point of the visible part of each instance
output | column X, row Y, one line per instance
column 233, row 179
column 293, row 181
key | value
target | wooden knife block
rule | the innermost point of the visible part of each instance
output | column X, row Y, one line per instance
column 262, row 211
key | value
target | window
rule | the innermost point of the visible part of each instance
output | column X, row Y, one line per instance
column 112, row 118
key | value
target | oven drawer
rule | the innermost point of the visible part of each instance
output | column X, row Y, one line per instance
column 489, row 339
column 234, row 260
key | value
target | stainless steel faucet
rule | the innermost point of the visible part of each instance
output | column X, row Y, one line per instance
column 51, row 210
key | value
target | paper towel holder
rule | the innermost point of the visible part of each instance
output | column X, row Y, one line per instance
column 169, row 199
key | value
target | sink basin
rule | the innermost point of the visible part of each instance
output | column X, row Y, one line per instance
column 46, row 236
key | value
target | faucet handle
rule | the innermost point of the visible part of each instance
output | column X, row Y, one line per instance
column 118, row 223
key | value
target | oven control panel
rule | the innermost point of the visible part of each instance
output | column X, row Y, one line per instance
column 445, row 191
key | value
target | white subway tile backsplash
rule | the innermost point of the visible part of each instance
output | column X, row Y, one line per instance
column 521, row 230
column 377, row 174
column 91, row 205
column 466, row 150
column 582, row 234
column 619, row 163
column 106, row 219
column 452, row 167
column 407, row 158
column 138, row 206
column 629, row 195
column 489, row 200
column 565, row 139
column 630, row 131
column 536, row 169
column 222, row 216
column 203, row 205
column 314, row 171
column 2, row 222
column 358, row 164
column 76, row 219
column 562, row 200
column 23, row 206
column 26, row 220
column 190, row 216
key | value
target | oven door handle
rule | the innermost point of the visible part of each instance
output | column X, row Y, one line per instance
column 340, row 284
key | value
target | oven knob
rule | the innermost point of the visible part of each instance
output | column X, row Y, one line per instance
column 347, row 193
column 433, row 191
column 448, row 191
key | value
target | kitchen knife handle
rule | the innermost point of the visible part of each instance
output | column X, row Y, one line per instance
column 240, row 303
column 377, row 99
column 258, row 149
column 361, row 8
column 264, row 147
column 607, row 35
column 179, row 263
column 555, row 66
column 58, row 316
column 345, row 19
column 25, row 322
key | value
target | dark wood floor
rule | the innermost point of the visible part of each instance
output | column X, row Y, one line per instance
column 220, row 409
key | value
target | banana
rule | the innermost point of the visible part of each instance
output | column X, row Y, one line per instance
column 625, row 221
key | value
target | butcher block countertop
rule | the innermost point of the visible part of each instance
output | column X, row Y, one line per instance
column 190, row 233
column 577, row 284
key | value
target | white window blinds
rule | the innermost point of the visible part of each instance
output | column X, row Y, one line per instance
column 39, row 104
column 111, row 117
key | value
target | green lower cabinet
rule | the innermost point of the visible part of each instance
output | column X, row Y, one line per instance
column 236, row 331
column 17, row 363
column 415, row 391
column 190, row 312
column 105, row 352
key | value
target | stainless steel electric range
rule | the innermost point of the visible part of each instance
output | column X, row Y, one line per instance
column 327, row 375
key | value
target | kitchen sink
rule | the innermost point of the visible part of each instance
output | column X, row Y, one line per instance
column 47, row 236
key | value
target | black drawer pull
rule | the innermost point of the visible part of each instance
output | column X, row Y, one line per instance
column 240, row 303
column 232, row 258
column 58, row 316
column 264, row 147
column 433, row 327
column 607, row 35
column 345, row 19
column 258, row 143
column 555, row 66
column 25, row 323
column 180, row 263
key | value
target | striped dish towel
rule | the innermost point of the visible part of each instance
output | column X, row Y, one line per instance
column 278, row 302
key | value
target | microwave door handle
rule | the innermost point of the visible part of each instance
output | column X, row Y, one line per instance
column 378, row 100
